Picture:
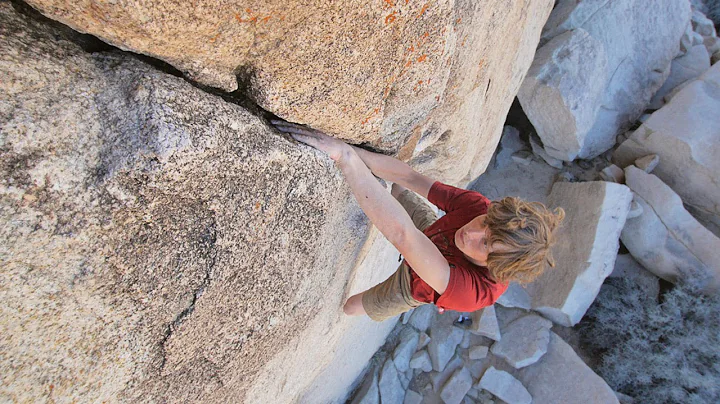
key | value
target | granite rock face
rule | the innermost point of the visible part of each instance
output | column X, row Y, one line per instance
column 685, row 134
column 666, row 239
column 394, row 74
column 638, row 43
column 586, row 249
column 157, row 242
column 524, row 342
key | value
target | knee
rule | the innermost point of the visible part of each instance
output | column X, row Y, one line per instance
column 353, row 306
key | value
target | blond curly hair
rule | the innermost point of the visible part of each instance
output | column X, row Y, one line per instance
column 528, row 229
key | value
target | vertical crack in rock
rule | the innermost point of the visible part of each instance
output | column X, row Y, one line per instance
column 206, row 244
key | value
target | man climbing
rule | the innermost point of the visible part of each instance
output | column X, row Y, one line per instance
column 463, row 261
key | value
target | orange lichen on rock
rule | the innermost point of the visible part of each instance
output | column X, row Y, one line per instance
column 391, row 3
column 422, row 58
column 423, row 9
column 390, row 17
column 213, row 39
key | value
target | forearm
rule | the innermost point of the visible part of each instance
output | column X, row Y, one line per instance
column 385, row 167
column 381, row 208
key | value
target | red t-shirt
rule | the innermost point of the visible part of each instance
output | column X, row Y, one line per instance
column 470, row 287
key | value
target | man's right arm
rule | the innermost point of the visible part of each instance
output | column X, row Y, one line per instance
column 394, row 170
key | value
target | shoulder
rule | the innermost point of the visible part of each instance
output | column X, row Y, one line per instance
column 450, row 198
column 470, row 289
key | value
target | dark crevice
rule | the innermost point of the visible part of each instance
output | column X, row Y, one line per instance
column 206, row 243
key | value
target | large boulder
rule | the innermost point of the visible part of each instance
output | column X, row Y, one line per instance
column 161, row 244
column 393, row 74
column 587, row 245
column 560, row 376
column 685, row 133
column 666, row 239
column 683, row 68
column 638, row 43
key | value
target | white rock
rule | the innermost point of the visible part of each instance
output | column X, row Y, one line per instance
column 413, row 397
column 639, row 42
column 712, row 44
column 689, row 39
column 562, row 377
column 522, row 157
column 524, row 342
column 587, row 245
column 391, row 390
column 685, row 133
column 505, row 387
column 702, row 25
column 562, row 91
column 510, row 143
column 457, row 386
column 404, row 380
column 369, row 392
column 405, row 349
column 439, row 379
column 421, row 360
column 647, row 163
column 636, row 210
column 515, row 296
column 539, row 151
column 478, row 352
column 484, row 322
column 613, row 173
column 666, row 239
column 422, row 316
column 687, row 67
column 443, row 342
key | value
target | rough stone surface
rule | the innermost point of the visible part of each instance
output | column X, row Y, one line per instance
column 524, row 341
column 539, row 151
column 560, row 376
column 587, row 245
column 666, row 239
column 563, row 91
column 639, row 43
column 439, row 75
column 412, row 397
column 457, row 386
column 510, row 143
column 423, row 340
column 648, row 163
column 443, row 342
column 515, row 296
column 166, row 242
column 478, row 352
column 421, row 360
column 503, row 385
column 422, row 317
column 405, row 349
column 613, row 173
column 369, row 392
column 685, row 133
column 686, row 67
column 391, row 391
column 484, row 322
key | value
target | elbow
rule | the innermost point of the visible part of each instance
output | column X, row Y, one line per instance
column 402, row 237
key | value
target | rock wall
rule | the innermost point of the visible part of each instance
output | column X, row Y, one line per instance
column 159, row 243
column 401, row 76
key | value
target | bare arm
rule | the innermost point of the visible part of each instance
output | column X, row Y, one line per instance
column 382, row 209
column 394, row 170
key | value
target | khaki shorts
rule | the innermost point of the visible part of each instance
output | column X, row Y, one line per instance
column 393, row 296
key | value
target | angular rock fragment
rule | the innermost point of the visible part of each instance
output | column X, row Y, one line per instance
column 685, row 134
column 391, row 389
column 587, row 244
column 510, row 143
column 515, row 296
column 562, row 92
column 560, row 376
column 478, row 352
column 613, row 173
column 405, row 349
column 456, row 387
column 636, row 210
column 421, row 360
column 637, row 42
column 504, row 386
column 484, row 322
column 666, row 239
column 422, row 317
column 412, row 397
column 443, row 342
column 684, row 68
column 524, row 341
column 539, row 151
column 423, row 340
column 647, row 163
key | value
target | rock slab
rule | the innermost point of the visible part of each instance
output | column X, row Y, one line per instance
column 457, row 386
column 484, row 322
column 666, row 239
column 524, row 342
column 587, row 245
column 504, row 386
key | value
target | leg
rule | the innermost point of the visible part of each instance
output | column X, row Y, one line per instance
column 353, row 306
